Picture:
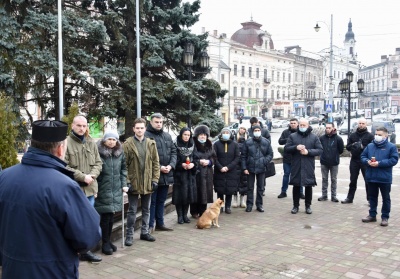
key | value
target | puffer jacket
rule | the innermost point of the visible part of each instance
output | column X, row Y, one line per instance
column 83, row 158
column 111, row 179
column 387, row 156
column 256, row 154
column 303, row 166
column 152, row 166
column 166, row 152
column 357, row 141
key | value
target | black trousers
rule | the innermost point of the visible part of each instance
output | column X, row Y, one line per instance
column 355, row 167
column 197, row 208
column 227, row 201
column 296, row 192
column 106, row 224
column 251, row 179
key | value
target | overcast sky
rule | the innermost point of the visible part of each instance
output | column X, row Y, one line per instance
column 376, row 24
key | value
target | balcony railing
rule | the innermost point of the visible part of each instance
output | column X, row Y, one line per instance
column 311, row 84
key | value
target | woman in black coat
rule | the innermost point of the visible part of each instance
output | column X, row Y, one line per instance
column 184, row 191
column 204, row 177
column 226, row 178
column 241, row 137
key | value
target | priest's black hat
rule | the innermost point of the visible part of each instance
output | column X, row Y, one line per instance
column 49, row 130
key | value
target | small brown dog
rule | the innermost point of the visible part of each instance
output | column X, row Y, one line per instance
column 210, row 216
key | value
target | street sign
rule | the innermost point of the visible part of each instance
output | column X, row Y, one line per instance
column 241, row 110
column 251, row 102
column 328, row 107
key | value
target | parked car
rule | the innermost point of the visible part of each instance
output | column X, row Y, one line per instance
column 343, row 128
column 387, row 124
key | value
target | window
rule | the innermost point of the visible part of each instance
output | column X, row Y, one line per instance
column 283, row 77
column 242, row 71
column 334, row 74
column 302, row 78
column 289, row 77
column 235, row 70
column 277, row 76
column 257, row 73
column 249, row 92
column 394, row 84
column 235, row 91
column 283, row 95
column 272, row 94
column 222, row 78
column 257, row 93
column 273, row 75
column 242, row 92
column 278, row 96
column 250, row 72
column 383, row 84
column 296, row 77
column 265, row 93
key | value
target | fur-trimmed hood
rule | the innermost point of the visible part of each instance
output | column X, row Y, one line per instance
column 107, row 152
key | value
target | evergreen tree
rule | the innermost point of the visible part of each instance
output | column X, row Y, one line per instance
column 8, row 133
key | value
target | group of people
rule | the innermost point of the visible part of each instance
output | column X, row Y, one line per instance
column 374, row 155
column 76, row 185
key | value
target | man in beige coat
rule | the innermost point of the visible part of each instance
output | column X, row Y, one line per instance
column 83, row 158
column 143, row 174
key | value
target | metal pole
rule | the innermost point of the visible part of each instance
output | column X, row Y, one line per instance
column 60, row 63
column 138, row 75
column 123, row 221
column 348, row 113
column 330, row 117
column 387, row 91
column 189, row 121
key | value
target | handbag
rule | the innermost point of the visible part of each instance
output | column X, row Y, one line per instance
column 270, row 169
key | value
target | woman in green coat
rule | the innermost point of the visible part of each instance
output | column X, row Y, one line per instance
column 112, row 184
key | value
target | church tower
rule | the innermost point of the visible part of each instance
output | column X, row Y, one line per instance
column 350, row 42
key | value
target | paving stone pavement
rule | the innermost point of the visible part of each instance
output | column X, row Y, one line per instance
column 330, row 243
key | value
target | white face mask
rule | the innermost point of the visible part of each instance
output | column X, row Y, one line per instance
column 257, row 134
column 378, row 138
column 226, row 136
column 302, row 129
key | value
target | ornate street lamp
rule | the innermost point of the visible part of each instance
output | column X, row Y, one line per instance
column 188, row 55
column 344, row 87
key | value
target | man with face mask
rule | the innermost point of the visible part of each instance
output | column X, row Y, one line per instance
column 330, row 158
column 256, row 154
column 304, row 146
column 356, row 143
column 379, row 157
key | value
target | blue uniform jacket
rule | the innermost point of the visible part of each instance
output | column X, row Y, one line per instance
column 45, row 219
column 387, row 156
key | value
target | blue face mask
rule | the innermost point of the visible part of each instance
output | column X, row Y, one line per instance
column 303, row 129
column 201, row 140
column 226, row 136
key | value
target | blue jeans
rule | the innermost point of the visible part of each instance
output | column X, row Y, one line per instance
column 91, row 200
column 158, row 199
column 286, row 175
column 373, row 192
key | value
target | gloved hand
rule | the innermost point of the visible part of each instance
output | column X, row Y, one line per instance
column 154, row 186
column 125, row 189
column 130, row 188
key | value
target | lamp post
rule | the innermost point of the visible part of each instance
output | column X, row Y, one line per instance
column 344, row 86
column 188, row 62
column 316, row 28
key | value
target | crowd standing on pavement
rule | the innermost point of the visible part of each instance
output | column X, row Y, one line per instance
column 95, row 177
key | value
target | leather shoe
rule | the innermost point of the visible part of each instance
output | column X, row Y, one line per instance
column 228, row 210
column 260, row 209
column 295, row 209
column 106, row 249
column 308, row 210
column 346, row 200
column 302, row 196
column 180, row 220
column 163, row 228
column 186, row 219
column 369, row 219
column 323, row 198
column 129, row 241
column 147, row 237
column 90, row 257
column 282, row 195
column 334, row 199
column 249, row 209
column 113, row 247
column 384, row 223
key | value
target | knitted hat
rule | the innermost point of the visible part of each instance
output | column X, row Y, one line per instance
column 201, row 129
column 225, row 130
column 256, row 127
column 111, row 135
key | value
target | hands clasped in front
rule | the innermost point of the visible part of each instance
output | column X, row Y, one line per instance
column 302, row 149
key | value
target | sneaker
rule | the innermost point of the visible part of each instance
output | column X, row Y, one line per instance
column 129, row 241
column 369, row 219
column 308, row 210
column 282, row 195
column 334, row 199
column 384, row 222
column 147, row 237
column 302, row 196
column 90, row 257
column 295, row 209
column 323, row 198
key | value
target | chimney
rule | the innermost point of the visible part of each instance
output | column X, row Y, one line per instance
column 215, row 33
column 383, row 58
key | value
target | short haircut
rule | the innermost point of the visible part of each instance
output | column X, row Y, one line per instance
column 253, row 120
column 156, row 115
column 381, row 128
column 294, row 119
column 139, row 120
column 333, row 124
column 50, row 147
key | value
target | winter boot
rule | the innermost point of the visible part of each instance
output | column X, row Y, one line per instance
column 234, row 201
column 185, row 212
column 179, row 212
column 242, row 202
